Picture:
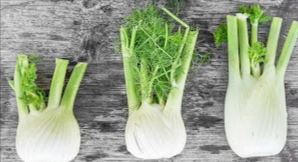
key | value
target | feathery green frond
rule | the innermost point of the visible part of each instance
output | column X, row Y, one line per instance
column 257, row 53
column 31, row 93
column 155, row 52
column 255, row 14
column 221, row 35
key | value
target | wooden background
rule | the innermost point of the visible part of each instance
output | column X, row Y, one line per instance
column 82, row 30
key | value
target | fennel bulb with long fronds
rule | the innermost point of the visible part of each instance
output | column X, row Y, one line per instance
column 156, row 58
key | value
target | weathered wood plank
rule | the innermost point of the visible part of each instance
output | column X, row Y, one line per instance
column 82, row 30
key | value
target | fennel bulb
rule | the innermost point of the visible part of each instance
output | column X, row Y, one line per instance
column 156, row 61
column 255, row 115
column 46, row 133
column 255, row 106
column 154, row 132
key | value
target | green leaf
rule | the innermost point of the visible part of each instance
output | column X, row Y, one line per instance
column 255, row 14
column 264, row 18
column 221, row 35
column 155, row 50
column 257, row 53
column 31, row 93
column 174, row 5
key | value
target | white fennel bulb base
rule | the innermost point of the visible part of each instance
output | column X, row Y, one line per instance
column 51, row 136
column 255, row 115
column 153, row 132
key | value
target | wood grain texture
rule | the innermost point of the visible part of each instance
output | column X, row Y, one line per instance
column 85, row 30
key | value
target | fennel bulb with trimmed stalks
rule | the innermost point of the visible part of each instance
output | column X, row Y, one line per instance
column 46, row 133
column 255, row 105
column 156, row 59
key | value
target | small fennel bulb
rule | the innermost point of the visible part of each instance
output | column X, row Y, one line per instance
column 46, row 133
column 156, row 61
column 255, row 105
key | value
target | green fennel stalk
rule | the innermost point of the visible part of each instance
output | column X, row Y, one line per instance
column 155, row 57
column 31, row 98
column 256, row 50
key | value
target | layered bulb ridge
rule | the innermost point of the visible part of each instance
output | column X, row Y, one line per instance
column 154, row 132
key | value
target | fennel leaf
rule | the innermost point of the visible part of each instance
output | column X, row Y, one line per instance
column 221, row 34
column 155, row 45
column 255, row 14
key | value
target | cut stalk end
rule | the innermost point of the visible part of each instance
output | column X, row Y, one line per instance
column 73, row 86
column 243, row 44
column 234, row 66
column 57, row 83
column 288, row 48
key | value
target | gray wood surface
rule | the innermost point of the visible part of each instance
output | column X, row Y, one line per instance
column 82, row 30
